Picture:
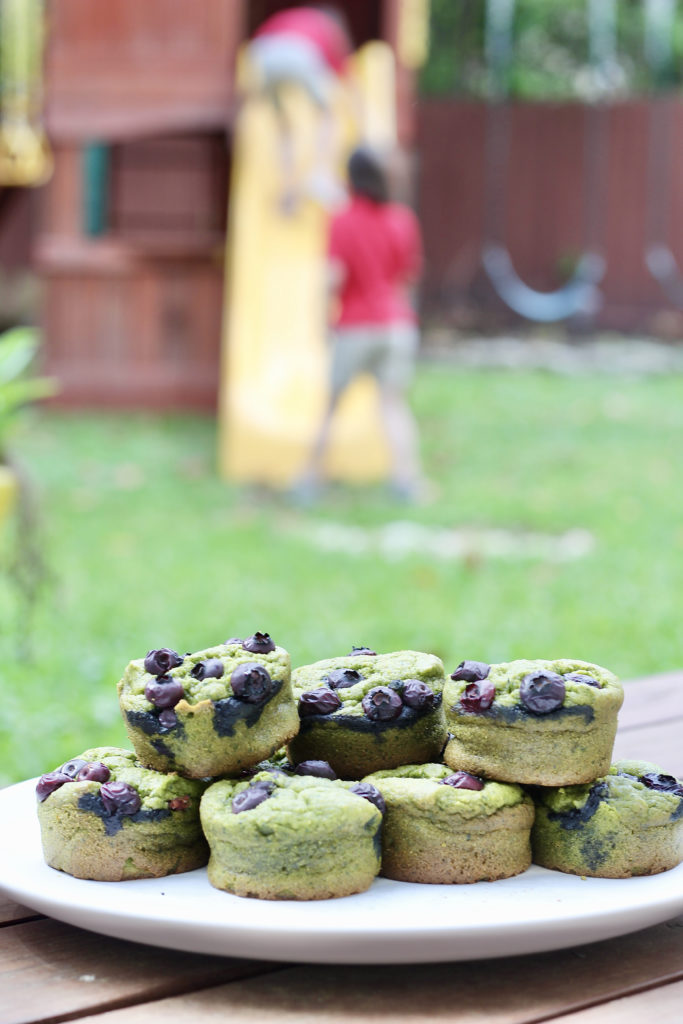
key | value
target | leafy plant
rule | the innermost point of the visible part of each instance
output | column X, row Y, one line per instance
column 550, row 51
column 18, row 348
column 25, row 565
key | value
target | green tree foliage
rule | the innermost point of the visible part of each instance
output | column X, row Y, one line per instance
column 550, row 51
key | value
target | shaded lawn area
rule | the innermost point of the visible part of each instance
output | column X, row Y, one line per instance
column 147, row 548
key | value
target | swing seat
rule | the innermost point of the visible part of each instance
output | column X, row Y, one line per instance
column 579, row 295
column 663, row 266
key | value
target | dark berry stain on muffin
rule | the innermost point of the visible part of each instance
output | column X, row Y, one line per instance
column 163, row 749
column 229, row 711
column 113, row 822
column 578, row 816
column 517, row 714
column 406, row 718
column 157, row 723
column 595, row 851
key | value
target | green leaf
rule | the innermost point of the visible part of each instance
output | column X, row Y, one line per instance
column 17, row 349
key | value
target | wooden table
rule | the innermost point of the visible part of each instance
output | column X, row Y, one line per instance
column 53, row 972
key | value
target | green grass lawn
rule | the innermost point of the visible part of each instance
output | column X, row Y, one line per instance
column 146, row 548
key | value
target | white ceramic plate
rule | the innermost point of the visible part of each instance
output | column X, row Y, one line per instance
column 394, row 922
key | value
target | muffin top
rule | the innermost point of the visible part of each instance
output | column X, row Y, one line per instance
column 634, row 794
column 164, row 677
column 378, row 687
column 291, row 806
column 109, row 780
column 537, row 688
column 435, row 789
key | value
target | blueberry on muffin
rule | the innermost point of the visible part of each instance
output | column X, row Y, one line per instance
column 548, row 723
column 215, row 712
column 366, row 711
column 104, row 816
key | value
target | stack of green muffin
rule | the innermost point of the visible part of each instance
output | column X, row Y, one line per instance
column 307, row 784
column 550, row 726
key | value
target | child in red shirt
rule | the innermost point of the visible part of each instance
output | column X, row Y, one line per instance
column 375, row 256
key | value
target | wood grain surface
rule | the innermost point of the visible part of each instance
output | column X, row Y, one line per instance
column 662, row 1006
column 10, row 912
column 50, row 971
column 509, row 991
column 651, row 722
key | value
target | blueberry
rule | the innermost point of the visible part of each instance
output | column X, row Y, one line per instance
column 212, row 668
column 95, row 771
column 478, row 696
column 233, row 640
column 319, row 769
column 72, row 768
column 259, row 643
column 322, row 701
column 251, row 683
column 370, row 793
column 381, row 704
column 251, row 797
column 581, row 677
column 418, row 695
column 462, row 780
column 471, row 671
column 168, row 718
column 164, row 691
column 541, row 692
column 179, row 803
column 120, row 798
column 49, row 782
column 158, row 663
column 338, row 678
column 662, row 783
column 362, row 650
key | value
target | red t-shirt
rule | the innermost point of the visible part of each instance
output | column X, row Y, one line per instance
column 380, row 249
column 315, row 26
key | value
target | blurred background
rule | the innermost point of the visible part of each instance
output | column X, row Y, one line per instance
column 162, row 366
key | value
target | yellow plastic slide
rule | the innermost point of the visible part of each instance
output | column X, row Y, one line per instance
column 274, row 371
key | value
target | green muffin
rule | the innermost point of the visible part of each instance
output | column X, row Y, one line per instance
column 103, row 816
column 443, row 827
column 282, row 837
column 547, row 723
column 368, row 711
column 215, row 712
column 629, row 822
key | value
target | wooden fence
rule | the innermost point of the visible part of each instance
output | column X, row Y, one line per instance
column 544, row 183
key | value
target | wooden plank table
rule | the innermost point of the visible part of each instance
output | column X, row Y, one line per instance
column 51, row 972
